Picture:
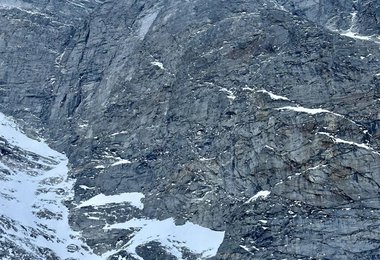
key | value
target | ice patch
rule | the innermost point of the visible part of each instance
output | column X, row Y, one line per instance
column 132, row 198
column 146, row 23
column 173, row 238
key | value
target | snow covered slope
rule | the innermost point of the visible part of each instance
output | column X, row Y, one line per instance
column 33, row 218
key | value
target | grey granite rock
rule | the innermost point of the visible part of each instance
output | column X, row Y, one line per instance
column 211, row 102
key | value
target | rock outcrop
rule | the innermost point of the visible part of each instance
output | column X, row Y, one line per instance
column 259, row 119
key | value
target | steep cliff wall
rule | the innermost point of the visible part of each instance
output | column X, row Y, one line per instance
column 259, row 119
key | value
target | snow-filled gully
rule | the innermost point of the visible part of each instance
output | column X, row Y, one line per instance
column 32, row 200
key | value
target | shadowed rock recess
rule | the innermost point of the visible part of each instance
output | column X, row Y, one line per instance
column 251, row 123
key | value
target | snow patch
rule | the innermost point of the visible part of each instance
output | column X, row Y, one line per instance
column 247, row 249
column 372, row 38
column 119, row 133
column 317, row 167
column 173, row 238
column 273, row 96
column 230, row 94
column 94, row 218
column 351, row 32
column 84, row 125
column 261, row 194
column 202, row 159
column 121, row 162
column 249, row 89
column 158, row 64
column 84, row 187
column 132, row 198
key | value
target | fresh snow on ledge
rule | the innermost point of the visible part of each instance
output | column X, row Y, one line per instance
column 261, row 194
column 272, row 96
column 173, row 238
column 341, row 141
column 132, row 198
column 312, row 111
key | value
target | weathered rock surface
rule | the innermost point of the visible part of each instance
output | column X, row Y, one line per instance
column 209, row 103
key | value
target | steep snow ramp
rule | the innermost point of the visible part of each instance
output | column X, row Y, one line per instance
column 199, row 240
column 33, row 218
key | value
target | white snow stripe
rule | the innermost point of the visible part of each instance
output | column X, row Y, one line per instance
column 341, row 141
column 121, row 162
column 272, row 96
column 312, row 111
column 132, row 198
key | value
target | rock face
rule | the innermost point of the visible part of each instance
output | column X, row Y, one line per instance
column 259, row 119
